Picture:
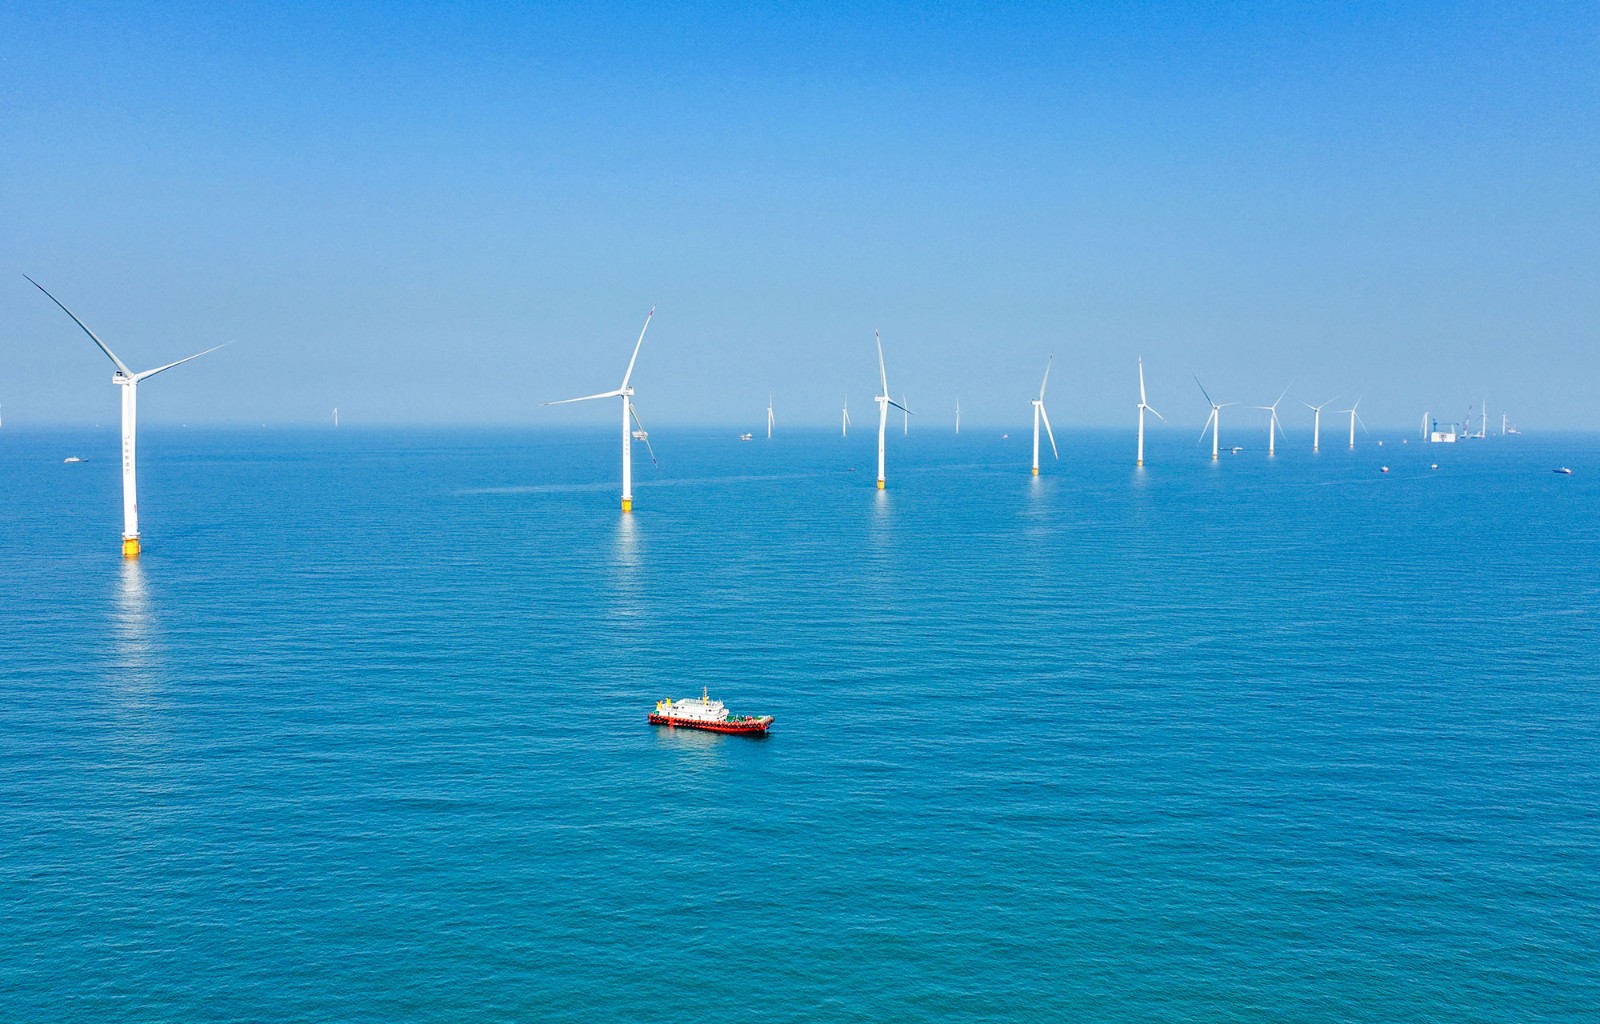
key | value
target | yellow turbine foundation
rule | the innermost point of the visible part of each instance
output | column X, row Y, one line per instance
column 1140, row 462
column 880, row 485
column 1036, row 471
column 627, row 504
column 130, row 547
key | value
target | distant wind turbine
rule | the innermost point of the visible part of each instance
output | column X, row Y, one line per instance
column 1355, row 417
column 629, row 418
column 1274, row 428
column 884, row 401
column 905, row 426
column 1040, row 414
column 336, row 415
column 958, row 416
column 1316, row 421
column 129, row 382
column 769, row 416
column 844, row 422
column 1214, row 421
column 1143, row 406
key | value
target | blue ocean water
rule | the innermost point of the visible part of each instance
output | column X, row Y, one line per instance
column 362, row 735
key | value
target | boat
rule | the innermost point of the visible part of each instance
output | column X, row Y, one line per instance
column 746, row 437
column 704, row 713
column 1564, row 471
column 71, row 458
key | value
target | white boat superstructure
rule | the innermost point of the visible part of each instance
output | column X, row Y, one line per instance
column 694, row 709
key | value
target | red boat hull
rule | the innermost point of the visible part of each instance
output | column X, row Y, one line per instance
column 737, row 727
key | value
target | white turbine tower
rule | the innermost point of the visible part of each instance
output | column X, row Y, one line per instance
column 958, row 417
column 1316, row 421
column 1143, row 406
column 769, row 416
column 1354, row 417
column 1040, row 414
column 884, row 401
column 336, row 415
column 1274, row 428
column 1214, row 421
column 629, row 418
column 129, row 381
column 905, row 426
column 844, row 422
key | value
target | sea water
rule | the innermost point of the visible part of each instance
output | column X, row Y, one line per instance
column 362, row 735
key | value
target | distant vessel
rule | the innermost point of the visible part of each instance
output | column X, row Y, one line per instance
column 746, row 437
column 1563, row 471
column 704, row 713
column 71, row 458
column 1446, row 436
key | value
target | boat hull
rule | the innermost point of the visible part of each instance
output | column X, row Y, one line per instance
column 737, row 727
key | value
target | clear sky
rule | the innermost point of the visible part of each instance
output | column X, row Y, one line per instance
column 451, row 213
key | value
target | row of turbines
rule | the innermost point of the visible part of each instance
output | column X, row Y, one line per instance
column 633, row 428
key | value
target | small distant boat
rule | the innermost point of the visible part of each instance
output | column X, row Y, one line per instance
column 1236, row 449
column 704, row 713
column 1385, row 469
column 747, row 437
column 1564, row 471
column 74, row 458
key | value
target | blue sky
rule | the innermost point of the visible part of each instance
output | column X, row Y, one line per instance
column 452, row 214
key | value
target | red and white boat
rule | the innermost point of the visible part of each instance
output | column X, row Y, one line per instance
column 704, row 713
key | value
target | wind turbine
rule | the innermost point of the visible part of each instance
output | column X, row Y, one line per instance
column 1354, row 416
column 1038, row 414
column 1316, row 421
column 629, row 418
column 884, row 401
column 769, row 416
column 958, row 417
column 129, row 382
column 1214, row 421
column 844, row 422
column 905, row 427
column 1273, row 426
column 336, row 415
column 1143, row 405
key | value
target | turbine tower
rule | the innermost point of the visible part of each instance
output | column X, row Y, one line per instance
column 1040, row 414
column 1214, row 421
column 1143, row 406
column 844, row 422
column 129, row 382
column 958, row 417
column 1316, row 422
column 884, row 401
column 336, row 415
column 905, row 425
column 1273, row 426
column 769, row 416
column 630, row 417
column 1354, row 417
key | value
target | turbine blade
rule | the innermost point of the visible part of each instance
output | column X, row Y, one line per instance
column 1157, row 415
column 1048, row 432
column 585, row 398
column 1141, row 384
column 1203, row 391
column 1209, row 420
column 1046, row 380
column 897, row 405
column 629, row 375
column 883, row 375
column 112, row 355
column 151, row 373
column 646, row 438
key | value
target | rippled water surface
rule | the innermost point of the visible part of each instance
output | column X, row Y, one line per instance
column 362, row 735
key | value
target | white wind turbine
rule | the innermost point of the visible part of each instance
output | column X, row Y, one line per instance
column 958, row 417
column 1274, row 428
column 1354, row 416
column 769, row 416
column 629, row 418
column 129, row 381
column 905, row 426
column 1214, row 421
column 1143, row 406
column 884, row 401
column 1316, row 421
column 844, row 422
column 1040, row 414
